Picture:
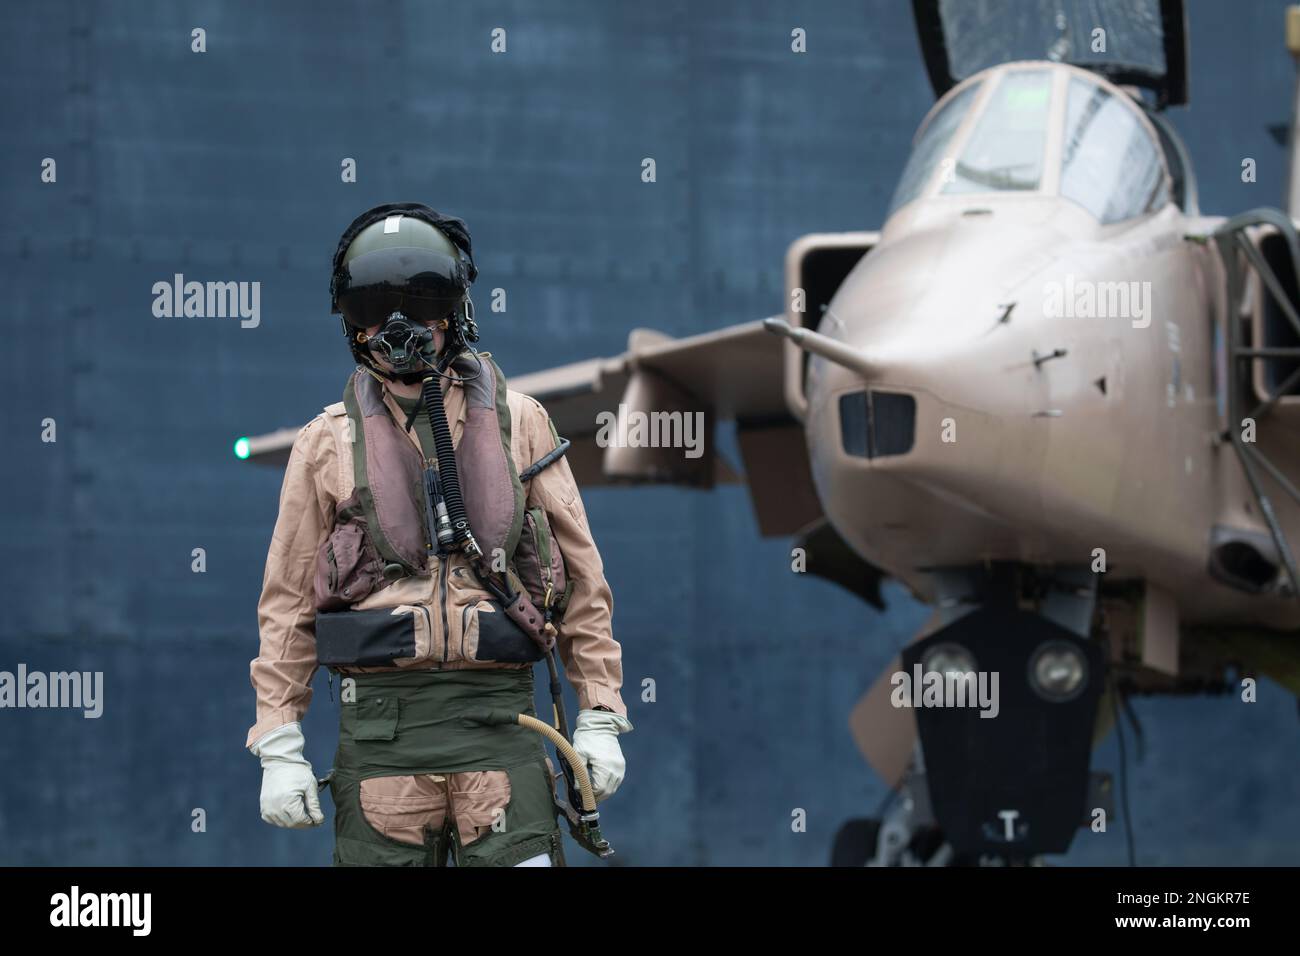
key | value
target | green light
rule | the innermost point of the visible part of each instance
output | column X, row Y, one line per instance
column 242, row 448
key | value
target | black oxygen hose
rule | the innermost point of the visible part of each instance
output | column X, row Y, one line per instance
column 448, row 477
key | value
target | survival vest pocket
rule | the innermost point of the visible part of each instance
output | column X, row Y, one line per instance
column 348, row 568
column 480, row 630
column 539, row 564
column 494, row 637
column 377, row 637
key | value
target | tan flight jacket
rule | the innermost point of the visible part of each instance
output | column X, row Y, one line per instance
column 317, row 478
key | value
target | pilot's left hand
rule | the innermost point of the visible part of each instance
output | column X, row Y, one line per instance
column 595, row 738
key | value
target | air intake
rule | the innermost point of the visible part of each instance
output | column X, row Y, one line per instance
column 875, row 424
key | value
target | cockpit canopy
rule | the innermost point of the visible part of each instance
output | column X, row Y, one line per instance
column 1139, row 43
column 999, row 133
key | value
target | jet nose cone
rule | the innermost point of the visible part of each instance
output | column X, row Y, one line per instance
column 935, row 290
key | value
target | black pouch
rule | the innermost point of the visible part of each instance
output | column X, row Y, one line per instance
column 501, row 639
column 368, row 638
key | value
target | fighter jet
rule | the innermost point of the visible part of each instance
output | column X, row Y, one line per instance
column 1048, row 396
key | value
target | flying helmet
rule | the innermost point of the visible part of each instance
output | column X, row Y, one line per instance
column 400, row 266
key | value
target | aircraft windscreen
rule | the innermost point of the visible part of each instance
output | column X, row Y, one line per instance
column 930, row 145
column 1098, row 34
column 1110, row 164
column 1005, row 151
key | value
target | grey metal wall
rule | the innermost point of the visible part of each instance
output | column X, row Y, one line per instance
column 225, row 166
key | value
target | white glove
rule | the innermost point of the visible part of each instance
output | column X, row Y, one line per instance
column 289, row 797
column 596, row 740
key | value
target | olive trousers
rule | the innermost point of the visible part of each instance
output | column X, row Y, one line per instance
column 415, row 782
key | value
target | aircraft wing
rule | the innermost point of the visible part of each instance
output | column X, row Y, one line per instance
column 648, row 415
column 737, row 371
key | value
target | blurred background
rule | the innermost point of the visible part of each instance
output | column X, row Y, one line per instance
column 225, row 166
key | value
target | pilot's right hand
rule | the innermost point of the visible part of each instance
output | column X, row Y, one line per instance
column 289, row 793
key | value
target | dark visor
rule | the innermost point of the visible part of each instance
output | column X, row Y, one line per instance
column 420, row 283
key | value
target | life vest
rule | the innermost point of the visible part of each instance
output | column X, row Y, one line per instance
column 380, row 532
